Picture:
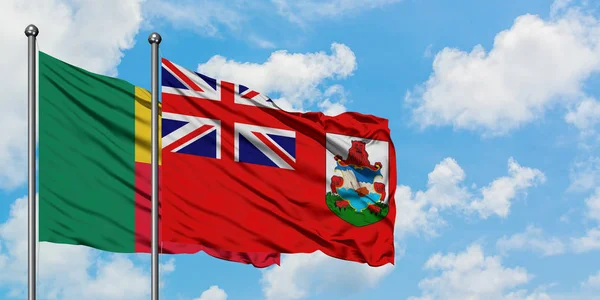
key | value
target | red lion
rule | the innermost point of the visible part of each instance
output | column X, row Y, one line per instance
column 358, row 157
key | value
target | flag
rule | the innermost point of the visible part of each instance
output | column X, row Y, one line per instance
column 243, row 175
column 94, row 164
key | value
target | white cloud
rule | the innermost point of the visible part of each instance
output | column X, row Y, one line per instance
column 585, row 175
column 593, row 282
column 261, row 42
column 525, row 295
column 589, row 242
column 213, row 293
column 428, row 51
column 532, row 239
column 559, row 6
column 67, row 271
column 532, row 66
column 214, row 18
column 332, row 108
column 73, row 31
column 446, row 190
column 209, row 18
column 201, row 16
column 593, row 205
column 296, row 77
column 419, row 211
column 498, row 195
column 303, row 274
column 444, row 185
column 117, row 278
column 167, row 267
column 472, row 275
column 415, row 214
column 301, row 11
column 585, row 116
column 335, row 99
column 589, row 290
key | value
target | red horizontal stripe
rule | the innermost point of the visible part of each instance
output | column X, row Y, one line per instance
column 143, row 229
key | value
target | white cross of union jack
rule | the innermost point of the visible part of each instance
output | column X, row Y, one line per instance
column 212, row 129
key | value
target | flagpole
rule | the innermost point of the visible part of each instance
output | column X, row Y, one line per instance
column 154, row 39
column 31, row 32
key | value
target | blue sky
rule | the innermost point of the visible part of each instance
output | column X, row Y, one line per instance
column 493, row 113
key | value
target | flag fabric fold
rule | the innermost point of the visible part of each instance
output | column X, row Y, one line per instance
column 244, row 175
column 94, row 165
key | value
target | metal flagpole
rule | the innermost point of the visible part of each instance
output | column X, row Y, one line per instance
column 154, row 39
column 31, row 32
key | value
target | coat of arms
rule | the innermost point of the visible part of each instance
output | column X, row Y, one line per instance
column 357, row 191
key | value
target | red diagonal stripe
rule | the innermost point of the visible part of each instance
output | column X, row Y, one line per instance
column 271, row 146
column 188, row 137
column 250, row 95
column 182, row 76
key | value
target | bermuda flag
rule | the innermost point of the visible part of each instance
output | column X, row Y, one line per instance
column 241, row 174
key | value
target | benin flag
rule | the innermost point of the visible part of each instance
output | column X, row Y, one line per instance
column 94, row 164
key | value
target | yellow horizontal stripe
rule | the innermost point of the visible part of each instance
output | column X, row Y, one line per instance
column 143, row 126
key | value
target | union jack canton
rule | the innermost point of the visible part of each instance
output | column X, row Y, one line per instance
column 202, row 136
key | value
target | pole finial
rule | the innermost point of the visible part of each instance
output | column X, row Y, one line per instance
column 154, row 38
column 31, row 30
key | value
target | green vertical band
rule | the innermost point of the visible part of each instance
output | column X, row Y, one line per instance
column 86, row 157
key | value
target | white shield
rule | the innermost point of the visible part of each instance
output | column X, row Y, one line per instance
column 377, row 150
